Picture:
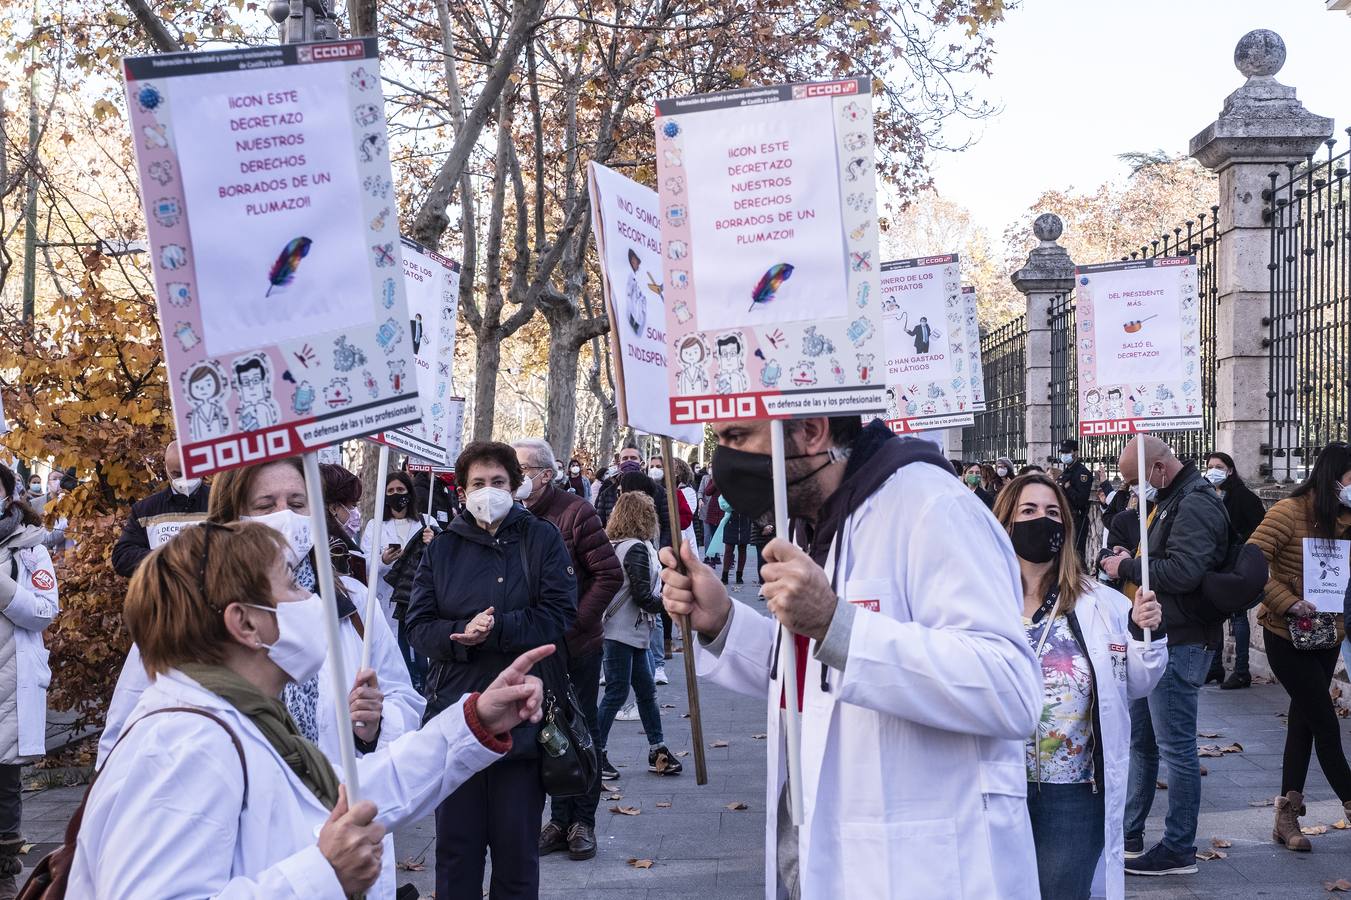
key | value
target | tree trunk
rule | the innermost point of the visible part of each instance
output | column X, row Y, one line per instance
column 487, row 359
column 561, row 429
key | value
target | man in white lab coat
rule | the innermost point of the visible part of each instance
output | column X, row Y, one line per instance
column 916, row 684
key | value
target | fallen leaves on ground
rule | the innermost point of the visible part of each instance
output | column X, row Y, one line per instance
column 641, row 863
column 1208, row 855
column 25, row 848
column 684, row 715
column 625, row 810
column 1341, row 884
column 759, row 737
column 1341, row 824
column 736, row 805
column 1264, row 802
column 615, row 797
column 663, row 804
column 1208, row 734
column 1212, row 750
column 668, row 706
column 1220, row 843
column 1261, row 679
column 1314, row 829
column 682, row 753
column 411, row 865
column 718, row 743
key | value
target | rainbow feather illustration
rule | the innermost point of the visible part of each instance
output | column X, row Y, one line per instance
column 284, row 269
column 770, row 282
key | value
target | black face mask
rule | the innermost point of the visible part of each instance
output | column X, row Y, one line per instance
column 1038, row 540
column 397, row 502
column 747, row 479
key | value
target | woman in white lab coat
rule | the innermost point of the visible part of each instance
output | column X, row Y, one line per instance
column 382, row 703
column 1094, row 661
column 212, row 791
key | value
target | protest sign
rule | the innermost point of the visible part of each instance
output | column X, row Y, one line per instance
column 925, row 321
column 273, row 230
column 1139, row 346
column 432, row 286
column 769, row 233
column 161, row 529
column 627, row 227
column 1327, row 572
column 972, row 368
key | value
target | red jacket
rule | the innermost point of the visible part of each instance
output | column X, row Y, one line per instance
column 686, row 514
column 599, row 575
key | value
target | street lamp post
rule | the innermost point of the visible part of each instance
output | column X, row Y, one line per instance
column 301, row 21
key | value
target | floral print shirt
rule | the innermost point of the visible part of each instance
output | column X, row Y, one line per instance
column 1064, row 739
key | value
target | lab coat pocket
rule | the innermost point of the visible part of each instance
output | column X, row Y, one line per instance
column 1116, row 652
column 872, row 594
column 912, row 859
column 42, row 671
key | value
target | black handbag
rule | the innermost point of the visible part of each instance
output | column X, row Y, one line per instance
column 568, row 765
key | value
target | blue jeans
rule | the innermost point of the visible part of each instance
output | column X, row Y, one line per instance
column 1067, row 828
column 627, row 666
column 656, row 649
column 416, row 662
column 1163, row 725
column 1242, row 632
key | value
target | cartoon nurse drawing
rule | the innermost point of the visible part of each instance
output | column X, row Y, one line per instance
column 205, row 388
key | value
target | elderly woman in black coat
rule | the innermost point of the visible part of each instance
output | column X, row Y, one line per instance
column 1246, row 512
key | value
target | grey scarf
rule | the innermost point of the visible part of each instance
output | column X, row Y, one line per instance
column 10, row 521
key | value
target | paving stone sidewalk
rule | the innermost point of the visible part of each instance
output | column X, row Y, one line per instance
column 702, row 849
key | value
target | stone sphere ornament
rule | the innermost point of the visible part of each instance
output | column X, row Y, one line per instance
column 1048, row 227
column 1260, row 53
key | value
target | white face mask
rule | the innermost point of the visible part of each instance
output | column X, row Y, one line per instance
column 489, row 505
column 1067, row 458
column 185, row 486
column 1002, row 472
column 1150, row 492
column 299, row 650
column 527, row 487
column 354, row 521
column 656, row 473
column 1345, row 495
column 1216, row 476
column 292, row 526
column 575, row 470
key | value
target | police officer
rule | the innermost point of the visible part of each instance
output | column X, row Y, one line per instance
column 1077, row 482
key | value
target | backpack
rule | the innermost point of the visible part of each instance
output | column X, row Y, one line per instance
column 48, row 881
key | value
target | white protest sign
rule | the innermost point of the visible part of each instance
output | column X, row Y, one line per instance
column 432, row 285
column 627, row 228
column 769, row 232
column 159, row 530
column 925, row 321
column 1139, row 346
column 273, row 230
column 973, row 368
column 1327, row 571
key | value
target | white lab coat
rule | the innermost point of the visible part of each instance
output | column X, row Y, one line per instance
column 24, row 673
column 914, row 784
column 1125, row 670
column 389, row 534
column 402, row 712
column 164, row 818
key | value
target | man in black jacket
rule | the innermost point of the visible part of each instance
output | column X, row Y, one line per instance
column 631, row 477
column 1188, row 537
column 161, row 515
column 1077, row 483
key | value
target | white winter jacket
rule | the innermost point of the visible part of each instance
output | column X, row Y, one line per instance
column 914, row 784
column 402, row 713
column 28, row 603
column 168, row 815
column 1125, row 669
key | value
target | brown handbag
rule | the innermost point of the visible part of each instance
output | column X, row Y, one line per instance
column 48, row 881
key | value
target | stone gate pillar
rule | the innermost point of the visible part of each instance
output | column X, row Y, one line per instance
column 1049, row 272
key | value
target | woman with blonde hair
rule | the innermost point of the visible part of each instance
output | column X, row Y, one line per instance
column 628, row 622
column 1088, row 641
column 216, row 792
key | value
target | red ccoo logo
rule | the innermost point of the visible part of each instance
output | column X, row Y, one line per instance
column 331, row 51
column 828, row 89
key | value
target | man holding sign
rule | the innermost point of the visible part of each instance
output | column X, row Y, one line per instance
column 1188, row 537
column 916, row 687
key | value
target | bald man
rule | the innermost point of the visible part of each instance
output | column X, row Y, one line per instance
column 160, row 516
column 1188, row 537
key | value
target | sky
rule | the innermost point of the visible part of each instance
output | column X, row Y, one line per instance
column 1079, row 81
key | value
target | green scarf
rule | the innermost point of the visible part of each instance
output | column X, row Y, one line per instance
column 270, row 716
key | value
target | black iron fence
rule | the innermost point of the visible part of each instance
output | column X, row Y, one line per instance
column 1001, row 429
column 1309, row 338
column 1197, row 237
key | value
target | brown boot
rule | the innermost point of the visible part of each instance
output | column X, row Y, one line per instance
column 1286, row 831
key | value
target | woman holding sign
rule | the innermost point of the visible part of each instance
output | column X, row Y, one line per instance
column 1306, row 539
column 217, row 793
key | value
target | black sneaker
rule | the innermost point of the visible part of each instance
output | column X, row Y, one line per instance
column 1236, row 681
column 663, row 762
column 1135, row 847
column 1162, row 861
column 607, row 771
